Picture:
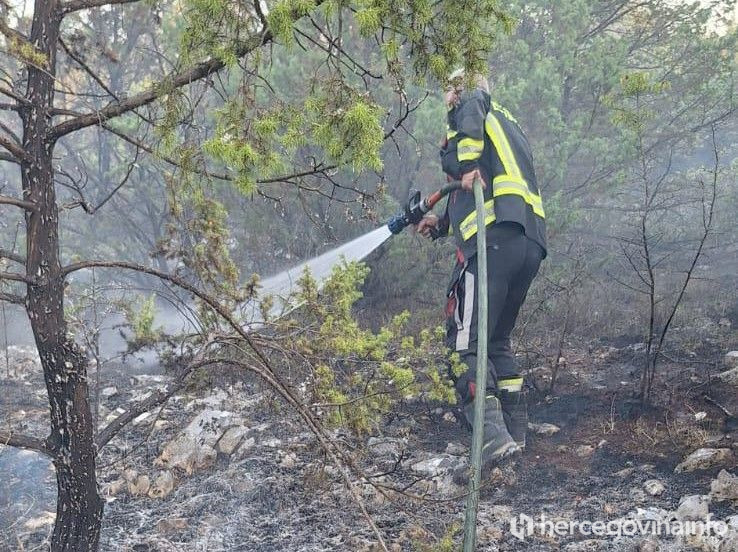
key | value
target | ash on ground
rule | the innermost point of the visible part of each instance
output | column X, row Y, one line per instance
column 231, row 468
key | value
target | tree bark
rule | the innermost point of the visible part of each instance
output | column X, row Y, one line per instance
column 71, row 441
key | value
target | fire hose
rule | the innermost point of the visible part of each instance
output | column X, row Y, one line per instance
column 416, row 208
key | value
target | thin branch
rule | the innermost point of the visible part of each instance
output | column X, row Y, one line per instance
column 86, row 68
column 154, row 400
column 9, row 158
column 15, row 277
column 77, row 5
column 263, row 369
column 17, row 440
column 317, row 169
column 27, row 205
column 18, row 152
column 12, row 298
column 12, row 94
column 5, row 254
column 178, row 80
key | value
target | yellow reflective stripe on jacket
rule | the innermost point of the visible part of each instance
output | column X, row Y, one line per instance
column 468, row 226
column 506, row 185
column 450, row 133
column 511, row 182
column 510, row 384
column 469, row 149
column 499, row 139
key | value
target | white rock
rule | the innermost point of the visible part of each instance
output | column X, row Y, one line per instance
column 289, row 460
column 204, row 458
column 543, row 429
column 584, row 451
column 139, row 486
column 114, row 487
column 386, row 446
column 729, row 376
column 699, row 416
column 163, row 485
column 652, row 513
column 725, row 487
column 194, row 448
column 271, row 442
column 160, row 425
column 46, row 518
column 651, row 544
column 587, row 545
column 693, row 508
column 246, row 445
column 215, row 400
column 146, row 379
column 230, row 440
column 449, row 417
column 654, row 487
column 456, row 449
column 108, row 392
column 141, row 418
column 731, row 359
column 704, row 458
column 436, row 465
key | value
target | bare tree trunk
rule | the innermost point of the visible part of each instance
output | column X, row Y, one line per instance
column 79, row 506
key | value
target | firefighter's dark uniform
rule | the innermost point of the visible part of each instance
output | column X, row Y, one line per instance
column 484, row 135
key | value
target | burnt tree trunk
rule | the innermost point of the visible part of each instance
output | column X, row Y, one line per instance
column 79, row 506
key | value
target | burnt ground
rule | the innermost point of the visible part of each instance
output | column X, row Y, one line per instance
column 281, row 494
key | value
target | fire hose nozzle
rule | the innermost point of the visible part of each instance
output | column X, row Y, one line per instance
column 416, row 208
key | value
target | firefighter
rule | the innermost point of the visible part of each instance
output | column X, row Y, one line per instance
column 484, row 142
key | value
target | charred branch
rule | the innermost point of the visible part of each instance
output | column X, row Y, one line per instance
column 18, row 440
column 12, row 298
column 9, row 158
column 155, row 399
column 15, row 277
column 27, row 205
column 16, row 96
column 5, row 254
column 86, row 68
column 19, row 155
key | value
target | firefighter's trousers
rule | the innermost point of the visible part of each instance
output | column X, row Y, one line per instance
column 512, row 263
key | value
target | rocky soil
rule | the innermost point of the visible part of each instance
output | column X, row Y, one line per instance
column 230, row 468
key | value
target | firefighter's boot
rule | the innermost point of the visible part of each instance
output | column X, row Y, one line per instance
column 497, row 442
column 515, row 411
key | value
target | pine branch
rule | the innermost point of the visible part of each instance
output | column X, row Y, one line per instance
column 174, row 81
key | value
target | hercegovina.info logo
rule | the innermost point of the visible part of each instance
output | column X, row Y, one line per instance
column 523, row 526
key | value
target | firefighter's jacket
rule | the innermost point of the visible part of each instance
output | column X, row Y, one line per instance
column 482, row 134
